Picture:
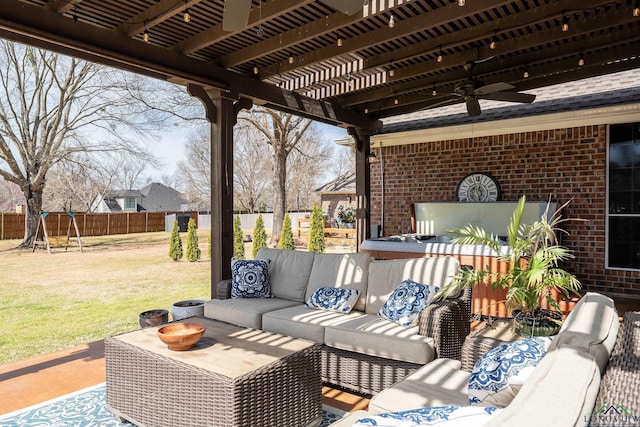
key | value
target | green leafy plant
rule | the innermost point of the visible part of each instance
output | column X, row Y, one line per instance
column 259, row 236
column 238, row 241
column 533, row 254
column 286, row 236
column 316, row 231
column 346, row 215
column 175, row 243
column 193, row 250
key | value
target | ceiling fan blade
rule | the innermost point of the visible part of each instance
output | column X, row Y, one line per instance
column 473, row 106
column 235, row 15
column 445, row 102
column 348, row 7
column 494, row 87
column 510, row 97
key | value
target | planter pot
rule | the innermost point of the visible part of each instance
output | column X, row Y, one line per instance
column 153, row 318
column 351, row 225
column 187, row 308
column 538, row 325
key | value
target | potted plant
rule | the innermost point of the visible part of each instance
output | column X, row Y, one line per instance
column 533, row 254
column 346, row 216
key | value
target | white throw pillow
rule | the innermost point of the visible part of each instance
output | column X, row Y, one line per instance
column 450, row 416
column 407, row 301
column 333, row 299
column 250, row 278
column 499, row 374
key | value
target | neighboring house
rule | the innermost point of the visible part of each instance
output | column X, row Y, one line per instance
column 578, row 141
column 339, row 192
column 154, row 197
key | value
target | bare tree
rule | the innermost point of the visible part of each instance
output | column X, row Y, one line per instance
column 52, row 107
column 282, row 132
column 252, row 170
column 194, row 173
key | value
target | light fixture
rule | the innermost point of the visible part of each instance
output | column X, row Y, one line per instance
column 636, row 9
column 440, row 57
column 395, row 100
column 565, row 22
column 145, row 35
column 525, row 74
column 461, row 3
column 255, row 70
column 392, row 21
column 187, row 15
column 434, row 92
column 392, row 71
column 494, row 41
column 291, row 59
column 366, row 110
column 75, row 14
column 339, row 41
column 581, row 60
column 371, row 155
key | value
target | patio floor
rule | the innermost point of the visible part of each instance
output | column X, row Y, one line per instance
column 40, row 378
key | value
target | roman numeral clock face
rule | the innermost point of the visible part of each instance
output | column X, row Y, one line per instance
column 478, row 187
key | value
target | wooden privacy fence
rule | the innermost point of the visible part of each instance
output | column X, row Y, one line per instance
column 90, row 224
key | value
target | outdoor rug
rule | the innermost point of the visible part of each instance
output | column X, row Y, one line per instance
column 87, row 408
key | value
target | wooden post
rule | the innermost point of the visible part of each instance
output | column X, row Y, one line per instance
column 363, row 185
column 222, row 113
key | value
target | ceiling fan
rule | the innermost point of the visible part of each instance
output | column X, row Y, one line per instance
column 236, row 12
column 471, row 90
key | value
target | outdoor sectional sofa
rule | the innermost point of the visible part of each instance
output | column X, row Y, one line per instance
column 360, row 351
column 560, row 391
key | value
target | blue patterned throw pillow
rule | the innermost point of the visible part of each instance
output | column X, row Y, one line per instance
column 407, row 301
column 333, row 299
column 499, row 374
column 250, row 278
column 450, row 416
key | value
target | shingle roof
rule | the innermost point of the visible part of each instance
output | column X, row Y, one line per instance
column 613, row 89
column 345, row 183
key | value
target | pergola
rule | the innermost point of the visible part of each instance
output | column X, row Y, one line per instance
column 350, row 70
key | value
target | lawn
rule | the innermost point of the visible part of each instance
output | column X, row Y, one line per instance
column 52, row 302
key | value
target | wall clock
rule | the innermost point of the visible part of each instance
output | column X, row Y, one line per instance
column 478, row 187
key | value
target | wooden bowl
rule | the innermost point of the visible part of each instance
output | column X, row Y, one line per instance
column 181, row 336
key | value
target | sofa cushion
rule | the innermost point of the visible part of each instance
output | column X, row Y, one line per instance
column 333, row 299
column 592, row 326
column 245, row 312
column 440, row 382
column 348, row 271
column 369, row 334
column 249, row 278
column 302, row 322
column 498, row 375
column 289, row 272
column 449, row 416
column 406, row 302
column 561, row 391
column 385, row 275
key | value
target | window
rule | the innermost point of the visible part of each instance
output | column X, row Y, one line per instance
column 129, row 203
column 623, row 226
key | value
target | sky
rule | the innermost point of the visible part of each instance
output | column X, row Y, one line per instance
column 169, row 149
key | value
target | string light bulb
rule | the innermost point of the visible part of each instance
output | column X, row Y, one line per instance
column 461, row 3
column 636, row 9
column 366, row 110
column 392, row 71
column 565, row 23
column 339, row 41
column 75, row 14
column 145, row 35
column 255, row 70
column 395, row 101
column 290, row 59
column 392, row 21
column 186, row 16
column 434, row 92
column 525, row 74
column 581, row 60
column 494, row 41
column 440, row 56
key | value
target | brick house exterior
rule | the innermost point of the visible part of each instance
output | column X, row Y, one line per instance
column 533, row 155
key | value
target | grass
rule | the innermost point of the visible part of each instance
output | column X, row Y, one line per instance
column 52, row 302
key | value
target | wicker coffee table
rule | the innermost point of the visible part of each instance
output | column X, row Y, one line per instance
column 232, row 377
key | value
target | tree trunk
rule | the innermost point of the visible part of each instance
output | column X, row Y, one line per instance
column 280, row 204
column 32, row 214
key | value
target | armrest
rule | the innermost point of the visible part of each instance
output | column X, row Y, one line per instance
column 223, row 290
column 474, row 347
column 447, row 321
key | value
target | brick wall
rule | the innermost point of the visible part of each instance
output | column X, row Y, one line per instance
column 561, row 163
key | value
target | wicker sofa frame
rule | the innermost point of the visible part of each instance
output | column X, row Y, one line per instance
column 446, row 321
